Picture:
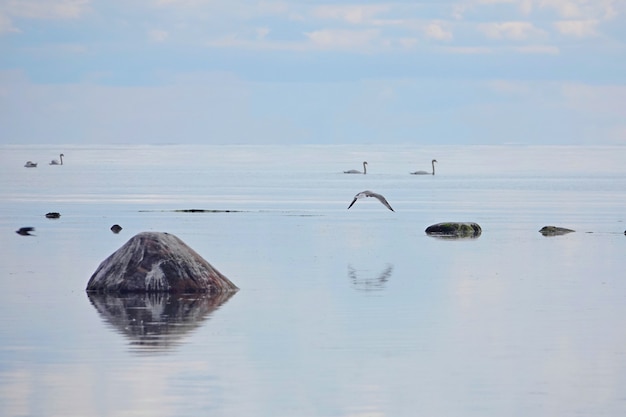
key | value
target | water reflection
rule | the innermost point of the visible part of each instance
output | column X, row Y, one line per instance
column 156, row 322
column 362, row 280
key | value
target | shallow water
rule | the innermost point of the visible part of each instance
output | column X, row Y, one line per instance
column 340, row 312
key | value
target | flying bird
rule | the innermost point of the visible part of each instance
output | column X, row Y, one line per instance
column 367, row 193
column 25, row 231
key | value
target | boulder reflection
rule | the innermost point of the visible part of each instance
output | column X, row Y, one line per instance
column 364, row 280
column 156, row 322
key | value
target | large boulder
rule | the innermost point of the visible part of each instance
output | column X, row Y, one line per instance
column 454, row 230
column 152, row 262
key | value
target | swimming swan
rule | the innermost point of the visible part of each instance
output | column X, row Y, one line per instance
column 30, row 164
column 425, row 172
column 356, row 171
column 55, row 162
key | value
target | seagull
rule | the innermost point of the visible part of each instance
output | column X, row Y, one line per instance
column 368, row 193
column 25, row 231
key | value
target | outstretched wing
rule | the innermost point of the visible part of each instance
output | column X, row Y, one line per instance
column 382, row 200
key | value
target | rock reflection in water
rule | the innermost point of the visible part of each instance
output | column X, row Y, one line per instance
column 363, row 280
column 156, row 322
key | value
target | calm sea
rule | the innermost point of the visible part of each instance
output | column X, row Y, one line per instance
column 340, row 312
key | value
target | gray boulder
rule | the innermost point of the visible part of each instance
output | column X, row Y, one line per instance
column 554, row 231
column 454, row 230
column 152, row 262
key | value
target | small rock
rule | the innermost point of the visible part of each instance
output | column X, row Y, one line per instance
column 454, row 230
column 53, row 215
column 554, row 231
column 25, row 231
column 116, row 228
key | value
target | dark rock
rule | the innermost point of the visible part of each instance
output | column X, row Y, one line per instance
column 25, row 231
column 152, row 262
column 454, row 230
column 116, row 228
column 554, row 231
column 53, row 215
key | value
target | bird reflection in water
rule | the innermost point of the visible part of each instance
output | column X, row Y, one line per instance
column 156, row 322
column 362, row 280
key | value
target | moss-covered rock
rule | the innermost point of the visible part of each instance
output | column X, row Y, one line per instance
column 454, row 230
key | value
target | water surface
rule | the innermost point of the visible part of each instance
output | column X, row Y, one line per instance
column 340, row 312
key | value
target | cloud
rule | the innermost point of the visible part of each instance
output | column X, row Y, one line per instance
column 577, row 28
column 157, row 35
column 469, row 50
column 436, row 31
column 349, row 14
column 342, row 39
column 507, row 87
column 6, row 25
column 510, row 30
column 46, row 9
column 565, row 8
column 538, row 49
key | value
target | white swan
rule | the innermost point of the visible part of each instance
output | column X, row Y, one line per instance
column 356, row 171
column 426, row 172
column 30, row 164
column 368, row 193
column 55, row 162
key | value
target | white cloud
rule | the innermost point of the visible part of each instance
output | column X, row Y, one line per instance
column 158, row 35
column 6, row 25
column 261, row 33
column 578, row 28
column 565, row 9
column 468, row 50
column 349, row 14
column 408, row 43
column 510, row 30
column 342, row 39
column 436, row 30
column 46, row 9
column 538, row 49
column 506, row 87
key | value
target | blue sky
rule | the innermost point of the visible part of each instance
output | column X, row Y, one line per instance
column 281, row 72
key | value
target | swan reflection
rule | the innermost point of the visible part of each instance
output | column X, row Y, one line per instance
column 156, row 322
column 363, row 280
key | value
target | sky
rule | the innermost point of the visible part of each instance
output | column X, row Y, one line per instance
column 313, row 72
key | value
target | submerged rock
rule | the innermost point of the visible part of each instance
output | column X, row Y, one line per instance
column 454, row 230
column 153, row 262
column 554, row 231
